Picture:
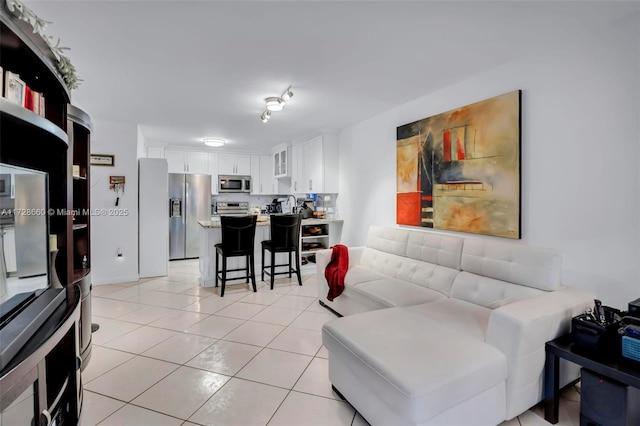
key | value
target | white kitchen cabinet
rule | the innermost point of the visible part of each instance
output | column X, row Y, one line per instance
column 192, row 162
column 234, row 164
column 175, row 160
column 268, row 183
column 213, row 171
column 281, row 161
column 256, row 188
column 262, row 180
column 314, row 166
column 197, row 162
column 297, row 168
column 155, row 152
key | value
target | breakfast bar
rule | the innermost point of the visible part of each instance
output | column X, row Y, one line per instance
column 210, row 233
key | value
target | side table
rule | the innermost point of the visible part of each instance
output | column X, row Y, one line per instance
column 563, row 347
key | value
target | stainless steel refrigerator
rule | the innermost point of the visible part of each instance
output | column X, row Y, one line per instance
column 189, row 202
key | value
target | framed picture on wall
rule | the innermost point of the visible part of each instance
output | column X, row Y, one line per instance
column 15, row 88
column 102, row 160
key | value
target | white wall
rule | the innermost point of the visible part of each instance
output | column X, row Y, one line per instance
column 580, row 155
column 110, row 233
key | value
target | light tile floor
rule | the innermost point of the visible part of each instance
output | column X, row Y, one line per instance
column 169, row 352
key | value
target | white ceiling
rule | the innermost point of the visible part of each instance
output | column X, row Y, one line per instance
column 188, row 70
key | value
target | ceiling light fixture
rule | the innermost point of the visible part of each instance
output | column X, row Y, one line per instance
column 214, row 142
column 287, row 95
column 275, row 103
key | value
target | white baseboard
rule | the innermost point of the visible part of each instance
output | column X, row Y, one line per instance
column 116, row 280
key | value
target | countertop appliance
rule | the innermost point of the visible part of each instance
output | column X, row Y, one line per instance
column 232, row 208
column 189, row 202
column 231, row 183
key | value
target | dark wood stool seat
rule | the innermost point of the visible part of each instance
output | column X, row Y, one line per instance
column 285, row 238
column 238, row 234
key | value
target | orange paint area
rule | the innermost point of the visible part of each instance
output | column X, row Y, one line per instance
column 408, row 208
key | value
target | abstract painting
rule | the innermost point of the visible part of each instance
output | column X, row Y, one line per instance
column 460, row 170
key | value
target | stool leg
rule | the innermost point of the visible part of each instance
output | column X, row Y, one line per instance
column 290, row 268
column 253, row 273
column 246, row 271
column 224, row 274
column 217, row 270
column 298, row 267
column 262, row 270
column 273, row 267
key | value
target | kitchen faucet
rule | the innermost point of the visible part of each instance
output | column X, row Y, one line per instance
column 293, row 206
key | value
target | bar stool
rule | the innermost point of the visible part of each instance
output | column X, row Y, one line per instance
column 238, row 234
column 285, row 238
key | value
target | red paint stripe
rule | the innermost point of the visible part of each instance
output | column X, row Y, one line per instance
column 446, row 145
column 461, row 154
column 427, row 198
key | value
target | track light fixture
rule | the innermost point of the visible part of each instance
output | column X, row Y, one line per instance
column 275, row 103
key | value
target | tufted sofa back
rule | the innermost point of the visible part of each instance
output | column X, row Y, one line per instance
column 496, row 273
column 422, row 258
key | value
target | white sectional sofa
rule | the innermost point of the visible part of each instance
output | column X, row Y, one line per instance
column 443, row 330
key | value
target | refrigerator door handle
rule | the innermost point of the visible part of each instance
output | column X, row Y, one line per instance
column 186, row 201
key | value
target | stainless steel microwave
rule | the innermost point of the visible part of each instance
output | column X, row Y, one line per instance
column 230, row 183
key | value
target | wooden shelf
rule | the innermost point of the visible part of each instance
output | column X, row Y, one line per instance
column 78, row 226
column 79, row 274
column 80, row 178
column 21, row 113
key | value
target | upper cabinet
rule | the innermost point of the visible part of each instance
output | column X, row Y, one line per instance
column 314, row 165
column 213, row 171
column 191, row 162
column 155, row 152
column 281, row 161
column 234, row 164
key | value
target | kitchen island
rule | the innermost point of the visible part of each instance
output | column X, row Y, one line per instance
column 328, row 233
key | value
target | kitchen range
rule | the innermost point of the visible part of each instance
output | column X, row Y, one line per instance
column 232, row 208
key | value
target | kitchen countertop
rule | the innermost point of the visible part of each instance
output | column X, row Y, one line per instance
column 216, row 223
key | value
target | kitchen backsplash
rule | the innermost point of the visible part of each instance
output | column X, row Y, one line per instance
column 322, row 201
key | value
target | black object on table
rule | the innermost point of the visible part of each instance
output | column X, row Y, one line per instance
column 611, row 367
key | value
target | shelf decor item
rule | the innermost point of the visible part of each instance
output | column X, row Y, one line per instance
column 64, row 65
column 15, row 88
column 460, row 170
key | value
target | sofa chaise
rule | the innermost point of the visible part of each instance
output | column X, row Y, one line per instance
column 443, row 330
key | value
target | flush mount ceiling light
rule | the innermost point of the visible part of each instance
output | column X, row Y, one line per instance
column 275, row 103
column 215, row 142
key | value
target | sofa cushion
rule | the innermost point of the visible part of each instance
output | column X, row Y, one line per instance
column 421, row 273
column 462, row 317
column 438, row 249
column 392, row 292
column 530, row 266
column 489, row 292
column 421, row 371
column 360, row 274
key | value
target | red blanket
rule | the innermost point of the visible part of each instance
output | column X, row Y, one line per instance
column 336, row 270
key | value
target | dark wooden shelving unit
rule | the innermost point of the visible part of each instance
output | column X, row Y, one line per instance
column 47, row 367
column 79, row 131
